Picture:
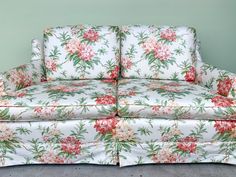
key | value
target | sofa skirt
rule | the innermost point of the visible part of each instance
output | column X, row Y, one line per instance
column 54, row 142
column 116, row 140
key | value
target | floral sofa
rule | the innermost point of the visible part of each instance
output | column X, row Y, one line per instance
column 117, row 95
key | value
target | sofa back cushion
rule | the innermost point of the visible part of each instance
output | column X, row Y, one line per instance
column 81, row 52
column 158, row 52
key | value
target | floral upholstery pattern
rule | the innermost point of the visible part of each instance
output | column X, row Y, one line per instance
column 66, row 106
column 171, row 99
column 82, row 52
column 158, row 52
column 54, row 142
column 218, row 80
column 60, row 100
column 112, row 140
column 37, row 50
column 25, row 75
column 178, row 141
column 21, row 77
column 198, row 56
column 37, row 57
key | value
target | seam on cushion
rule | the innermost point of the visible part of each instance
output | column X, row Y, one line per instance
column 55, row 120
column 179, row 119
column 175, row 106
column 15, row 121
column 205, row 142
column 89, row 142
column 55, row 106
column 156, row 117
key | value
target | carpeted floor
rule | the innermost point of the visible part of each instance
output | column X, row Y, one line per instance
column 177, row 170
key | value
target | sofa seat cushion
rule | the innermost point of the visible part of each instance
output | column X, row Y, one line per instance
column 60, row 100
column 172, row 100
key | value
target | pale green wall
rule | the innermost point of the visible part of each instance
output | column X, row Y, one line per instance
column 22, row 20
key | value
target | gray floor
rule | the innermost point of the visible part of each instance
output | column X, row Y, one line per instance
column 177, row 170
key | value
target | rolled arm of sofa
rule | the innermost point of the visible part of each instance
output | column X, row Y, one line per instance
column 24, row 75
column 37, row 51
column 218, row 80
column 20, row 77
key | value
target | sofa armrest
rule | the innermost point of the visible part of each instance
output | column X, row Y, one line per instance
column 37, row 50
column 24, row 75
column 218, row 80
column 20, row 77
column 37, row 57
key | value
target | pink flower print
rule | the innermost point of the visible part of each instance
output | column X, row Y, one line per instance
column 168, row 34
column 20, row 78
column 6, row 134
column 115, row 72
column 63, row 88
column 224, row 126
column 162, row 52
column 72, row 46
column 190, row 75
column 221, row 101
column 2, row 88
column 51, row 65
column 224, row 86
column 38, row 109
column 187, row 144
column 126, row 63
column 149, row 45
column 91, row 35
column 51, row 157
column 71, row 145
column 85, row 52
column 170, row 88
column 166, row 156
column 105, row 125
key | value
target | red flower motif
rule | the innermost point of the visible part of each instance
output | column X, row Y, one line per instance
column 132, row 93
column 114, row 73
column 105, row 125
column 187, row 144
column 223, row 126
column 224, row 86
column 70, row 145
column 221, row 101
column 38, row 109
column 190, row 75
column 43, row 79
column 106, row 99
column 168, row 34
column 22, row 94
column 91, row 35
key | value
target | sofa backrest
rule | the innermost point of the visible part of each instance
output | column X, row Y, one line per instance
column 158, row 52
column 82, row 52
